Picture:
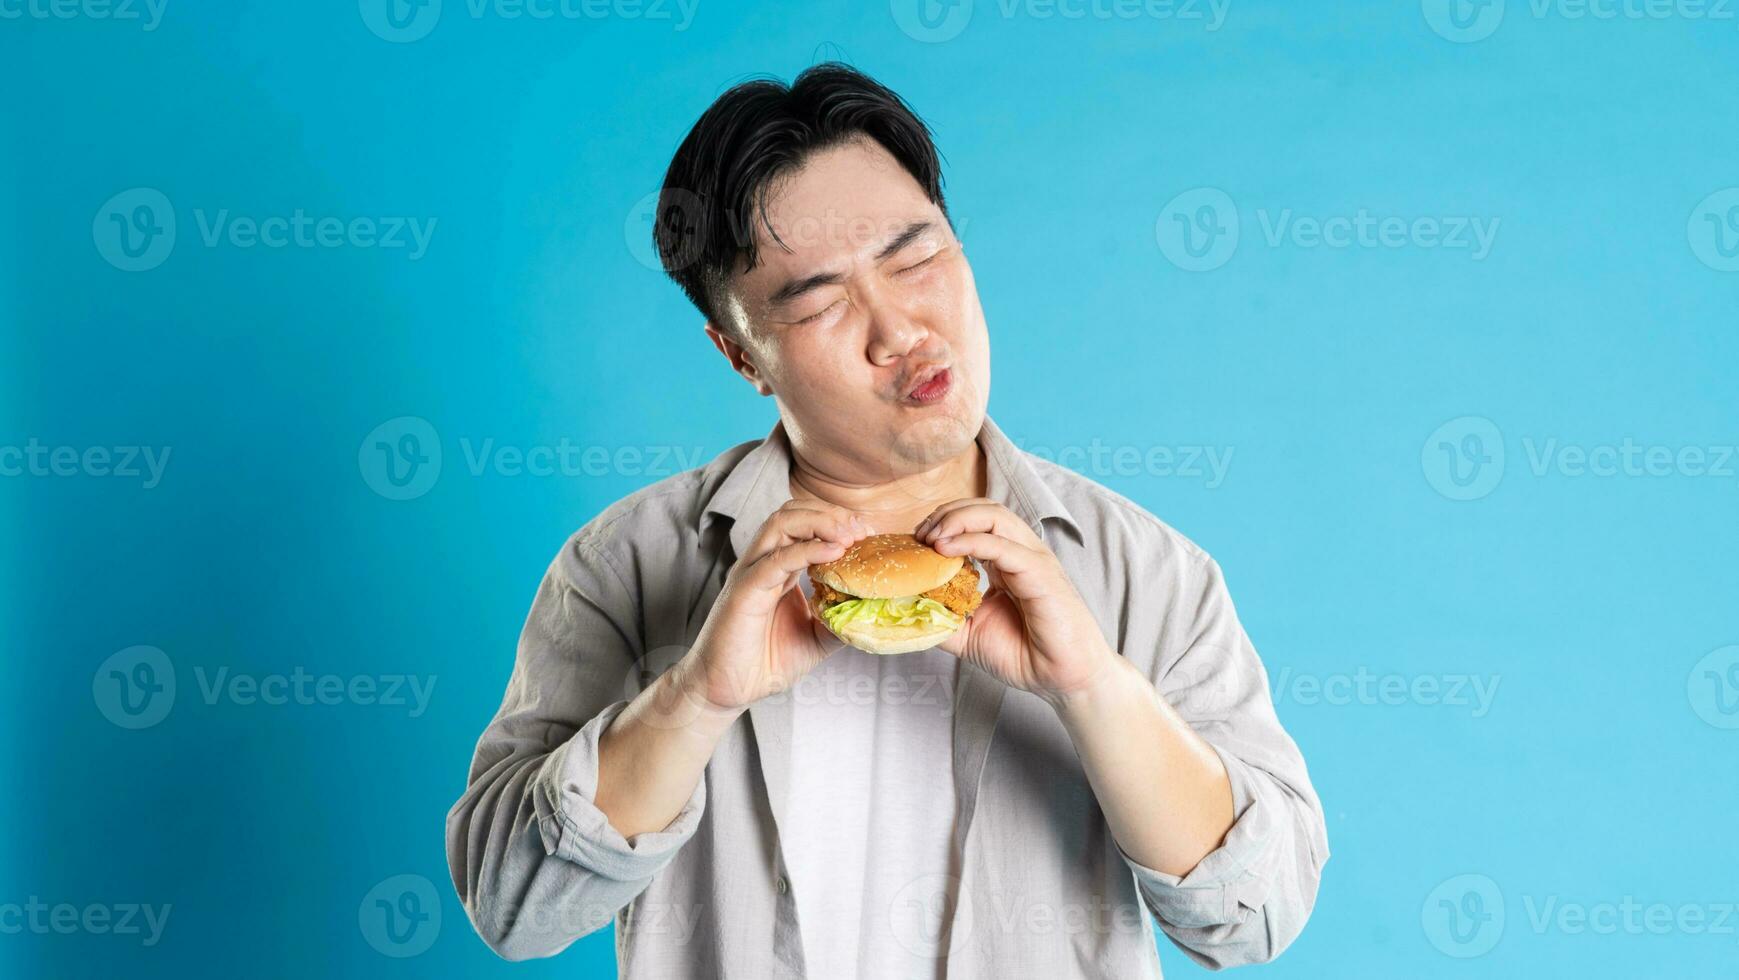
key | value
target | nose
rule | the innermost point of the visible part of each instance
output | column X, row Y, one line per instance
column 893, row 331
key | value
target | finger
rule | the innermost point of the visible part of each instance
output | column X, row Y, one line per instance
column 931, row 518
column 1020, row 570
column 954, row 507
column 807, row 509
column 776, row 571
column 787, row 527
column 991, row 518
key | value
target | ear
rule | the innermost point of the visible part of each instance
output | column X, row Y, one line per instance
column 739, row 358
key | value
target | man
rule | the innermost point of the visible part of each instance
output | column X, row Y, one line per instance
column 1092, row 755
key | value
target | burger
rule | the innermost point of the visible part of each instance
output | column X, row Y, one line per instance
column 891, row 593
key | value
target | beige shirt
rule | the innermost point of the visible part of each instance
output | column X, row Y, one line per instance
column 1041, row 888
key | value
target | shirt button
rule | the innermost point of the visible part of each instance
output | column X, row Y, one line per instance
column 784, row 886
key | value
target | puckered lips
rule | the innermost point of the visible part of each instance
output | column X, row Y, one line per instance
column 931, row 384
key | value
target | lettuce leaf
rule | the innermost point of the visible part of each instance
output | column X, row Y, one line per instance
column 907, row 611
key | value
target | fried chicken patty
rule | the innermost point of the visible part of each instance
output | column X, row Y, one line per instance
column 960, row 593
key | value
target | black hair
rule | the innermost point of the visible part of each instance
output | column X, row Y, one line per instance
column 755, row 133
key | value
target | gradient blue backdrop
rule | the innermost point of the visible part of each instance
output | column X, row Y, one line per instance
column 1604, row 768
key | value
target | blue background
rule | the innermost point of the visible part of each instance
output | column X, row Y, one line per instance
column 1598, row 771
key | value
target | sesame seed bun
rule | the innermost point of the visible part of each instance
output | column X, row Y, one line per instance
column 888, row 566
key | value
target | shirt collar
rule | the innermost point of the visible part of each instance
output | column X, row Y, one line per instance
column 760, row 483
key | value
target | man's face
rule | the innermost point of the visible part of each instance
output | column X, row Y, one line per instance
column 868, row 296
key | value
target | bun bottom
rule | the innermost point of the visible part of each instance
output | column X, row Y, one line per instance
column 891, row 640
column 888, row 640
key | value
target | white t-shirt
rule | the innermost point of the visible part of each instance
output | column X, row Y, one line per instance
column 871, row 814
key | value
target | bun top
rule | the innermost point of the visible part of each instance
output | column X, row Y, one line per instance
column 888, row 566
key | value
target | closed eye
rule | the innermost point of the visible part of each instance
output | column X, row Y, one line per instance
column 811, row 318
column 919, row 264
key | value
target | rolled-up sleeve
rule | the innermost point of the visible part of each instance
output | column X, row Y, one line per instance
column 575, row 830
column 535, row 862
column 1246, row 901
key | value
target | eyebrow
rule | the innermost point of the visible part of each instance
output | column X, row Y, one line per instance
column 797, row 287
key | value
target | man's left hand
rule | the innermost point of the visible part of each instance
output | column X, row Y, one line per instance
column 1032, row 630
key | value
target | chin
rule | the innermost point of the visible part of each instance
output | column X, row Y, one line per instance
column 942, row 435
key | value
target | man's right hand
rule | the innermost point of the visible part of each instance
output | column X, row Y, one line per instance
column 761, row 636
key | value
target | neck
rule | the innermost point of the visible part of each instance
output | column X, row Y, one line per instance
column 895, row 505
